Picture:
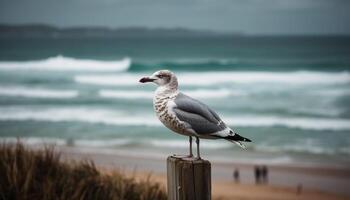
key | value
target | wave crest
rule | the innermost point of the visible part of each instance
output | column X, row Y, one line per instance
column 120, row 118
column 141, row 94
column 61, row 63
column 214, row 78
column 15, row 91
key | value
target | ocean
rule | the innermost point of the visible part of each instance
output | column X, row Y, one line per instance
column 289, row 95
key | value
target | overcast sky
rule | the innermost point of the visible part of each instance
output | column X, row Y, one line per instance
column 247, row 16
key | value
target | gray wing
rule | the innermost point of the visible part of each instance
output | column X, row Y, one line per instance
column 199, row 116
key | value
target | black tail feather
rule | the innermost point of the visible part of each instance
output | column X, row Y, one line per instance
column 237, row 137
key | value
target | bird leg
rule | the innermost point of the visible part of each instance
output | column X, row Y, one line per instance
column 186, row 156
column 198, row 153
column 190, row 140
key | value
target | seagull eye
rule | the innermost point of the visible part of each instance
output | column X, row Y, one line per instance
column 160, row 76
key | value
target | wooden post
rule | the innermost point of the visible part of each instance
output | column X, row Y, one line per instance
column 188, row 179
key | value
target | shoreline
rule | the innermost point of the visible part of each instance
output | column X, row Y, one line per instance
column 326, row 180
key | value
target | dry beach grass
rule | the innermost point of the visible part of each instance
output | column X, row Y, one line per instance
column 41, row 174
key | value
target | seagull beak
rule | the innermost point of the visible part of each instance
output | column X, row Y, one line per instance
column 146, row 79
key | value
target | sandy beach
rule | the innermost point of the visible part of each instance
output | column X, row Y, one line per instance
column 317, row 182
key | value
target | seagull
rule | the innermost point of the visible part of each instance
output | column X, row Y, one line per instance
column 187, row 116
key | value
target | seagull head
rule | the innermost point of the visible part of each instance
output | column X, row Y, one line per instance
column 161, row 78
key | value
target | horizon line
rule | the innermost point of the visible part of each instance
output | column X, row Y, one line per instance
column 190, row 30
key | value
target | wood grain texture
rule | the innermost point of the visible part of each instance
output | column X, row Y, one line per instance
column 188, row 179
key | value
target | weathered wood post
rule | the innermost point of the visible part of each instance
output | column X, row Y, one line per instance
column 188, row 179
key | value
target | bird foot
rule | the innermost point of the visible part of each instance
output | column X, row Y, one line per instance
column 198, row 158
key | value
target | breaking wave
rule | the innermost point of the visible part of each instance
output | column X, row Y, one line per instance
column 141, row 94
column 296, row 147
column 126, row 94
column 61, row 63
column 75, row 114
column 213, row 78
column 336, row 124
column 120, row 118
column 15, row 91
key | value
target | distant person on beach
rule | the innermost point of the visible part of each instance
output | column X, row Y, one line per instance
column 257, row 174
column 236, row 175
column 264, row 174
column 299, row 189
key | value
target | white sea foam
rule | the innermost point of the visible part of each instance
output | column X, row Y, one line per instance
column 60, row 63
column 305, row 145
column 218, row 93
column 336, row 124
column 117, row 117
column 114, row 80
column 299, row 77
column 126, row 94
column 141, row 94
column 102, row 143
column 320, row 111
column 31, row 92
column 213, row 78
column 75, row 114
column 334, row 92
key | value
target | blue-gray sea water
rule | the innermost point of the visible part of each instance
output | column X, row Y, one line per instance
column 290, row 95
